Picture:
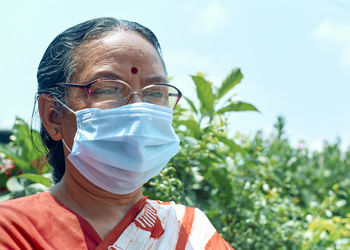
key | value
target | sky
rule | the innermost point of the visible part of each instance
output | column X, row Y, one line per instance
column 294, row 55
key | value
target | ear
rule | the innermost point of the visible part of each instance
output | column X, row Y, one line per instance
column 50, row 117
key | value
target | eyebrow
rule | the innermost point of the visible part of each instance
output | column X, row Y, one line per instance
column 156, row 79
column 103, row 74
column 108, row 74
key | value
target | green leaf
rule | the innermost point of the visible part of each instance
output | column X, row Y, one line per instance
column 233, row 78
column 35, row 188
column 27, row 142
column 5, row 195
column 37, row 178
column 193, row 107
column 205, row 95
column 7, row 149
column 237, row 107
column 13, row 185
column 208, row 162
column 18, row 161
column 193, row 126
column 3, row 178
column 234, row 146
column 222, row 182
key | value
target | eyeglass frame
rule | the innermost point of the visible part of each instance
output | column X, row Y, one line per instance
column 139, row 92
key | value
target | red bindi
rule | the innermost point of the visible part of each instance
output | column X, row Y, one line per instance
column 134, row 70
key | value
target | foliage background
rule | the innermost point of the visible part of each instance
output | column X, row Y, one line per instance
column 259, row 191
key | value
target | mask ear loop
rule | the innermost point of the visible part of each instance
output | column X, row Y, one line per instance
column 64, row 105
column 64, row 143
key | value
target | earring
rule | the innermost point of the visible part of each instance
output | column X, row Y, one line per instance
column 54, row 131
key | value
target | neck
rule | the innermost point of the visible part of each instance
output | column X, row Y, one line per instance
column 103, row 210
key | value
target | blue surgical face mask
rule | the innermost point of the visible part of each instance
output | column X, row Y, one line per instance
column 120, row 149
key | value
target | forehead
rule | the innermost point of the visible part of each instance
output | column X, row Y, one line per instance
column 119, row 51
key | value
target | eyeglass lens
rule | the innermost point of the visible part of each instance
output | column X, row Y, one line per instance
column 111, row 94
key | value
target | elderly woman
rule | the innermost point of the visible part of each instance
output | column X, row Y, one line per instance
column 106, row 110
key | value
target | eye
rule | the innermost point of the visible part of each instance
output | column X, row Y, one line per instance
column 108, row 91
column 105, row 91
column 156, row 94
column 106, row 87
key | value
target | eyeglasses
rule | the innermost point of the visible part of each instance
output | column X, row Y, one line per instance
column 110, row 93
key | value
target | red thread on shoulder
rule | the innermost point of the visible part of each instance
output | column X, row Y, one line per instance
column 185, row 229
column 149, row 221
column 217, row 242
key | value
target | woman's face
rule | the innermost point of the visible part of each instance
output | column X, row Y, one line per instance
column 124, row 55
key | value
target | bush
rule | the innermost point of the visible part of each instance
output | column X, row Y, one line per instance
column 24, row 170
column 259, row 191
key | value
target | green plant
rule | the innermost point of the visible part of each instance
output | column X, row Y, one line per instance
column 26, row 171
column 259, row 191
column 199, row 175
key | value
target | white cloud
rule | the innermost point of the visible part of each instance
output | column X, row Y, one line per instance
column 345, row 57
column 189, row 60
column 330, row 30
column 185, row 62
column 210, row 18
column 338, row 33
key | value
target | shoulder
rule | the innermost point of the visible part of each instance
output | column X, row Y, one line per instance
column 191, row 214
column 35, row 209
column 191, row 223
column 24, row 204
column 26, row 199
column 29, row 211
column 41, row 222
column 19, row 218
